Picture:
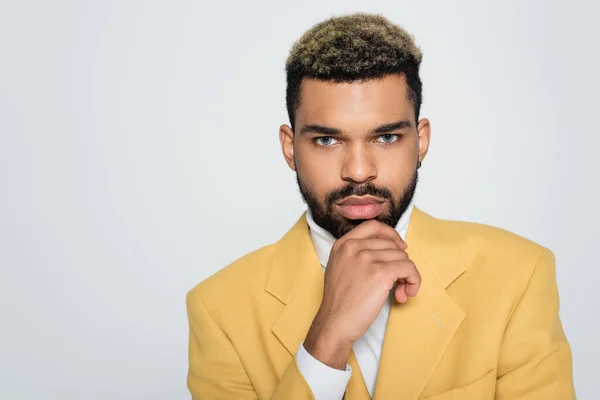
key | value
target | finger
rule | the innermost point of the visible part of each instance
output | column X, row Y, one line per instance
column 377, row 244
column 374, row 229
column 384, row 255
column 404, row 271
column 400, row 293
column 411, row 290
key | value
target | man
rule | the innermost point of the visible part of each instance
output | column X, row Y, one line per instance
column 368, row 296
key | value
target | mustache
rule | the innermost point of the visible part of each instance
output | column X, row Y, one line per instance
column 362, row 189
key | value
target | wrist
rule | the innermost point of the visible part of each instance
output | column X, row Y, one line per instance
column 327, row 346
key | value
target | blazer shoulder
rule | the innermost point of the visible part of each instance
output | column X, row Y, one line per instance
column 493, row 235
column 491, row 254
column 245, row 275
column 479, row 241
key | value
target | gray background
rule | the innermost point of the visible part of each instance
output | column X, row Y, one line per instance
column 139, row 154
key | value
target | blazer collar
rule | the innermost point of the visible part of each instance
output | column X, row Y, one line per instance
column 417, row 333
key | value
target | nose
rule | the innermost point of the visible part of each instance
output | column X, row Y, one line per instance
column 358, row 165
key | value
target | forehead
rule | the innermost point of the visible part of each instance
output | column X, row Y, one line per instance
column 344, row 103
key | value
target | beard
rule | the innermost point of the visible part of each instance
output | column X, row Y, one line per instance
column 327, row 218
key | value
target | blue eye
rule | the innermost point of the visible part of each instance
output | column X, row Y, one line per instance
column 324, row 140
column 388, row 138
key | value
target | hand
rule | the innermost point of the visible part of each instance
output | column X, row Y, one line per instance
column 363, row 267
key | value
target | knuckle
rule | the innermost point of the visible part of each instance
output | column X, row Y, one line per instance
column 406, row 267
column 400, row 254
column 410, row 264
column 364, row 256
column 349, row 246
column 411, row 269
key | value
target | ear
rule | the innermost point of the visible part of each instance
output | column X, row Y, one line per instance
column 424, row 135
column 286, row 138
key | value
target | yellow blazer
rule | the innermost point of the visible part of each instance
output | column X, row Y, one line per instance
column 484, row 324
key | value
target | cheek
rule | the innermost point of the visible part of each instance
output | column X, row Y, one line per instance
column 395, row 171
column 396, row 167
column 319, row 171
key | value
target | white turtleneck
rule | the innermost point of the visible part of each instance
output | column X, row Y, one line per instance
column 328, row 383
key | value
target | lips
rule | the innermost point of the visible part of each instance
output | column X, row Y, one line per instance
column 359, row 201
column 361, row 207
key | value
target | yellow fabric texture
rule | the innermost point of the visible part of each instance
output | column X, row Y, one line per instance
column 484, row 325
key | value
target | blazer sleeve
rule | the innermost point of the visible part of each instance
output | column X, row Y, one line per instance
column 535, row 357
column 215, row 369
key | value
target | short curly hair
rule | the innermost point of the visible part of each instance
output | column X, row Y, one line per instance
column 349, row 48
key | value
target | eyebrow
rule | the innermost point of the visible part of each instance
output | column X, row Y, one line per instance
column 394, row 126
column 326, row 130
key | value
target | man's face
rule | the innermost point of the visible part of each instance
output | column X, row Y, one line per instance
column 355, row 151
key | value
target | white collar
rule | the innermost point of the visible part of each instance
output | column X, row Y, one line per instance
column 323, row 240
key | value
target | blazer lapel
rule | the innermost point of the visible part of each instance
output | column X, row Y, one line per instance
column 296, row 279
column 419, row 331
